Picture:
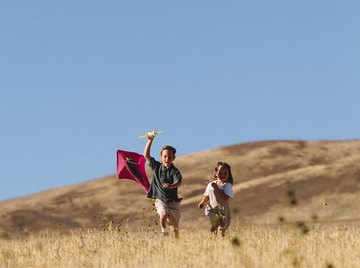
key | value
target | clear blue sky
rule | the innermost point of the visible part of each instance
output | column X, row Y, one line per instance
column 81, row 79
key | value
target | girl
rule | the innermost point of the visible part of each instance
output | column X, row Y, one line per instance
column 216, row 196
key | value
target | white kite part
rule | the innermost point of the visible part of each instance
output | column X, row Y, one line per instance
column 151, row 133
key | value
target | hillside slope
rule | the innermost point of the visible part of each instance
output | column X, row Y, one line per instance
column 291, row 180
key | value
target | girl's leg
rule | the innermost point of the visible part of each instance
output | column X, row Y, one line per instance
column 225, row 219
column 214, row 222
column 221, row 231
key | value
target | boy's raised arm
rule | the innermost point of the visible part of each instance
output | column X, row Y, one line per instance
column 147, row 150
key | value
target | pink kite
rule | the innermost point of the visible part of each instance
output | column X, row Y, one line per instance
column 131, row 166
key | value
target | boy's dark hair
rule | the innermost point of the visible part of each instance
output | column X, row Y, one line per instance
column 168, row 147
column 227, row 166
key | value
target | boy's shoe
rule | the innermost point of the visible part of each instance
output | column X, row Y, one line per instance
column 164, row 233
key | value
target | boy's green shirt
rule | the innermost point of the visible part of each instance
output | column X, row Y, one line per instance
column 163, row 175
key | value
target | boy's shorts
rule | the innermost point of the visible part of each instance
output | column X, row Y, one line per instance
column 171, row 209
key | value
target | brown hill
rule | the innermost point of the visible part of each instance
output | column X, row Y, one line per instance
column 273, row 180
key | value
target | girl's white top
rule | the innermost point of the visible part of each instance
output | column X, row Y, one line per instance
column 209, row 191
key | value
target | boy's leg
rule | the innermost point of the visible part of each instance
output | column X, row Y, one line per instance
column 162, row 211
column 174, row 217
column 175, row 230
column 163, row 218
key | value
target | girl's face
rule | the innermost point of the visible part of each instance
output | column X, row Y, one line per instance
column 222, row 174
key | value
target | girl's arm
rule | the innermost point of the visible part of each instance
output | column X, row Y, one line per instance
column 203, row 201
column 221, row 197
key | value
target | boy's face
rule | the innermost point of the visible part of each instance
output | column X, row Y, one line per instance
column 167, row 158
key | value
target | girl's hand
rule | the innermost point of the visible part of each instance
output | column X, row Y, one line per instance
column 200, row 205
column 166, row 185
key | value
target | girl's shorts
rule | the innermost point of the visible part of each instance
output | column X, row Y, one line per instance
column 218, row 216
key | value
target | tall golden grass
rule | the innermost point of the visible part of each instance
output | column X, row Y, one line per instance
column 286, row 245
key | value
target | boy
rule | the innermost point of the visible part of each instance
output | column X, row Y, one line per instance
column 164, row 185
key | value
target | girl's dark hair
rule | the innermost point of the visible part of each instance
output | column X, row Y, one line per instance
column 227, row 166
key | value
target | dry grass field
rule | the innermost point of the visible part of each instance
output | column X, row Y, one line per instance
column 296, row 205
column 245, row 246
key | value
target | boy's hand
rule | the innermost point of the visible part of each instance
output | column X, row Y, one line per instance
column 200, row 205
column 166, row 185
column 214, row 185
column 151, row 135
column 173, row 185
